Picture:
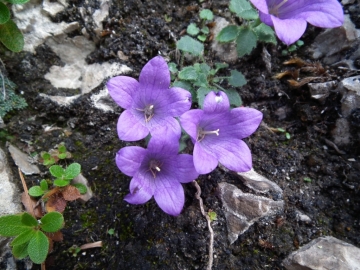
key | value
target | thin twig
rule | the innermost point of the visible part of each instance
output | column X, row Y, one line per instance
column 26, row 192
column 211, row 244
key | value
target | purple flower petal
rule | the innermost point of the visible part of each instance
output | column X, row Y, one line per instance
column 216, row 102
column 190, row 121
column 176, row 101
column 183, row 168
column 289, row 30
column 128, row 159
column 129, row 129
column 164, row 141
column 169, row 195
column 141, row 189
column 266, row 18
column 243, row 122
column 122, row 89
column 204, row 161
column 171, row 123
column 154, row 75
column 261, row 5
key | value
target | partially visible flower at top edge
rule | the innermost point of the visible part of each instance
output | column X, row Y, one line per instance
column 217, row 133
column 157, row 171
column 289, row 17
column 149, row 103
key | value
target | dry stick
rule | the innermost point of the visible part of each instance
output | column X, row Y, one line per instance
column 211, row 244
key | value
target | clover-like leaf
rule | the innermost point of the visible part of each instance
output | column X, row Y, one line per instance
column 20, row 251
column 11, row 225
column 61, row 182
column 52, row 222
column 190, row 45
column 11, row 36
column 57, row 171
column 24, row 237
column 28, row 220
column 36, row 191
column 72, row 171
column 38, row 247
column 228, row 33
column 236, row 79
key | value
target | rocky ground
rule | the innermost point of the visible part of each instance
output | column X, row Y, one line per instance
column 72, row 50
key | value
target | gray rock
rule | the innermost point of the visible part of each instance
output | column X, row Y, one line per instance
column 243, row 209
column 341, row 132
column 350, row 90
column 80, row 179
column 324, row 253
column 321, row 91
column 22, row 160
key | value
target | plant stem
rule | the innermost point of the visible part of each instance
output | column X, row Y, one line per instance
column 211, row 244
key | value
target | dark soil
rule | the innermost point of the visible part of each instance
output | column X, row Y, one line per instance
column 147, row 238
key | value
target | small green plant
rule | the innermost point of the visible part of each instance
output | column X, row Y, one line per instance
column 307, row 179
column 292, row 48
column 32, row 236
column 10, row 35
column 250, row 32
column 287, row 134
column 212, row 215
column 203, row 31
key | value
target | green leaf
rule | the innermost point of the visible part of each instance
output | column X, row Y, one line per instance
column 234, row 97
column 307, row 179
column 11, row 225
column 38, row 247
column 52, row 222
column 188, row 74
column 212, row 215
column 57, row 171
column 245, row 42
column 281, row 129
column 11, row 36
column 72, row 171
column 202, row 38
column 186, row 86
column 243, row 9
column 36, row 191
column 218, row 66
column 192, row 29
column 20, row 251
column 82, row 188
column 236, row 79
column 48, row 162
column 16, row 2
column 62, row 155
column 44, row 185
column 205, row 30
column 265, row 33
column 206, row 14
column 28, row 220
column 172, row 67
column 61, row 182
column 299, row 43
column 23, row 238
column 62, row 148
column 190, row 45
column 4, row 13
column 202, row 81
column 228, row 33
column 287, row 135
column 45, row 155
column 292, row 48
column 201, row 93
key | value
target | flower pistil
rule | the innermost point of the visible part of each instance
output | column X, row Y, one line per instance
column 154, row 167
column 148, row 112
column 201, row 133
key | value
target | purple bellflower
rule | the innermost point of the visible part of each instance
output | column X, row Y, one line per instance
column 217, row 132
column 289, row 17
column 157, row 171
column 149, row 103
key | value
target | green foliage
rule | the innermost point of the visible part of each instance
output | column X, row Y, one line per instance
column 206, row 14
column 64, row 176
column 292, row 48
column 212, row 215
column 307, row 179
column 10, row 35
column 192, row 29
column 30, row 239
column 190, row 45
column 82, row 188
column 36, row 191
column 8, row 99
column 250, row 32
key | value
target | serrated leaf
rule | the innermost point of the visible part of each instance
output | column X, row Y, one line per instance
column 234, row 97
column 190, row 45
column 228, row 33
column 188, row 74
column 206, row 14
column 20, row 251
column 61, row 182
column 11, row 36
column 172, row 67
column 218, row 66
column 23, row 238
column 4, row 13
column 82, row 188
column 17, row 2
column 11, row 225
column 36, row 191
column 38, row 247
column 44, row 185
column 72, row 171
column 201, row 93
column 57, row 171
column 243, row 9
column 192, row 29
column 236, row 78
column 245, row 42
column 52, row 222
column 202, row 81
column 265, row 33
column 28, row 220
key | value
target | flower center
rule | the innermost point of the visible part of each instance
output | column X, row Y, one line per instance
column 154, row 167
column 148, row 112
column 275, row 10
column 202, row 133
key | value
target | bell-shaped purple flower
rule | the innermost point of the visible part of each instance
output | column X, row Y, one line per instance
column 157, row 171
column 289, row 17
column 149, row 103
column 217, row 132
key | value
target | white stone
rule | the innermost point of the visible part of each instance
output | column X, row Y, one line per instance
column 54, row 8
column 103, row 101
column 350, row 90
column 22, row 160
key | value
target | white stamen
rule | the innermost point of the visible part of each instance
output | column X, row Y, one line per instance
column 218, row 99
column 157, row 168
column 211, row 132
